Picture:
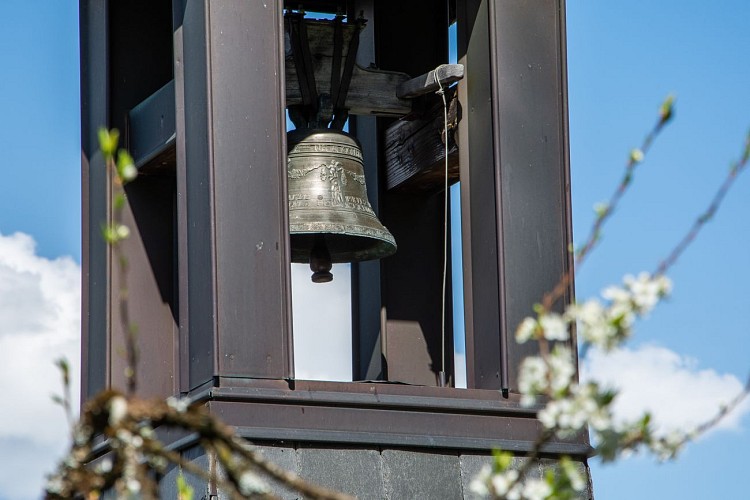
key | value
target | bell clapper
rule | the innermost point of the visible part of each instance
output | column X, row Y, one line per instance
column 320, row 261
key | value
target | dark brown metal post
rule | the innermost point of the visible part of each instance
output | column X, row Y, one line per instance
column 367, row 341
column 517, row 161
column 238, row 256
column 94, row 282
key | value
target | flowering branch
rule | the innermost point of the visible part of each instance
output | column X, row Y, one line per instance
column 131, row 450
column 604, row 211
column 605, row 324
column 128, row 426
column 123, row 170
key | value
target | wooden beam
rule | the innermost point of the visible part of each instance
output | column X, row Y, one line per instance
column 371, row 91
column 415, row 148
column 427, row 83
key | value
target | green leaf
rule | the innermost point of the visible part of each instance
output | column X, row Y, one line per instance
column 108, row 140
column 666, row 110
column 119, row 201
column 503, row 460
column 126, row 166
column 184, row 490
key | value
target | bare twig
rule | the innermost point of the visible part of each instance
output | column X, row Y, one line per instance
column 723, row 412
column 666, row 112
column 734, row 172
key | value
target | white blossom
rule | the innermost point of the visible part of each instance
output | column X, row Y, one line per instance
column 526, row 330
column 621, row 305
column 554, row 327
column 577, row 481
column 478, row 485
column 180, row 405
column 118, row 410
column 105, row 466
column 645, row 292
column 561, row 368
column 533, row 376
column 133, row 486
column 129, row 172
column 122, row 231
column 595, row 324
column 536, row 489
column 501, row 484
column 571, row 413
column 251, row 484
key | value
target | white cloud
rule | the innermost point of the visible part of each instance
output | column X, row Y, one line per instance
column 39, row 323
column 672, row 387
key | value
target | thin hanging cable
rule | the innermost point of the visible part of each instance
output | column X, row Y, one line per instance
column 441, row 93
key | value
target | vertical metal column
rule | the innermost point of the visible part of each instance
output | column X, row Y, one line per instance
column 94, row 283
column 516, row 161
column 237, row 220
column 367, row 337
column 182, row 384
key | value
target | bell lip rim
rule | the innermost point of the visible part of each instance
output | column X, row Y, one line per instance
column 385, row 239
column 388, row 246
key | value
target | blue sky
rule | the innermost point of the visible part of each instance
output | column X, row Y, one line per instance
column 623, row 59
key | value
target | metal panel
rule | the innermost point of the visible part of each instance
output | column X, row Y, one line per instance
column 150, row 210
column 239, row 305
column 151, row 128
column 150, row 282
column 182, row 350
column 421, row 474
column 95, row 254
column 381, row 414
column 250, row 201
column 530, row 125
column 481, row 286
column 517, row 162
column 198, row 195
column 358, row 472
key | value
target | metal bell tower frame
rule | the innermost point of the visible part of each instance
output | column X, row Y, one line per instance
column 199, row 89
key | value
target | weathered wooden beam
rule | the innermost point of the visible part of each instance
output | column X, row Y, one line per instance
column 415, row 148
column 424, row 84
column 371, row 91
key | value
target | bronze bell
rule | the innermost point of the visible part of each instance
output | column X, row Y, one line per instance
column 330, row 217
